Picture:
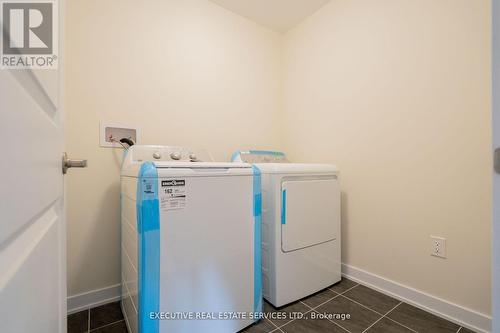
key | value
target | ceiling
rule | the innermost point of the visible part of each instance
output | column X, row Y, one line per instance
column 279, row 15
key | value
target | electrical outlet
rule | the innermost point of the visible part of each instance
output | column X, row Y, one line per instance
column 438, row 247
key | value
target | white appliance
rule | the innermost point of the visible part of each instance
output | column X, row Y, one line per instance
column 300, row 225
column 190, row 242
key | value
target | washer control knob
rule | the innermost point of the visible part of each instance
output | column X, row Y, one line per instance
column 175, row 155
column 193, row 157
column 156, row 155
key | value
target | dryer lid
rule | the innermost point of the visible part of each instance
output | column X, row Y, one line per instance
column 276, row 162
column 259, row 156
column 297, row 168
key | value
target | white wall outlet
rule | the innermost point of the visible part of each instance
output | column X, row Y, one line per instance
column 438, row 247
column 112, row 132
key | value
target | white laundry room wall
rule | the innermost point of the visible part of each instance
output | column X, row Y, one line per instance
column 397, row 94
column 186, row 72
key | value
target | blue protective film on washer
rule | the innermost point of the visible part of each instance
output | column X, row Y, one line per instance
column 257, row 212
column 148, row 226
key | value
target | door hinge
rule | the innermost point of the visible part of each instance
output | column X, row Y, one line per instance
column 496, row 160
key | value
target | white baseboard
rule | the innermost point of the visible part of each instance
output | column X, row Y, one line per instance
column 93, row 298
column 453, row 312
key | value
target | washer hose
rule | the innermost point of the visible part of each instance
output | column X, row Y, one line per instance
column 129, row 142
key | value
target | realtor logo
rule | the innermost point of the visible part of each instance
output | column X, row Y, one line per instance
column 29, row 36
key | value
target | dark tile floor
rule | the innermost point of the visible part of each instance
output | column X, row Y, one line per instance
column 106, row 318
column 369, row 311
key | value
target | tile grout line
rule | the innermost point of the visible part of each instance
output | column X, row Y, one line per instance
column 288, row 322
column 383, row 316
column 311, row 309
column 397, row 322
column 342, row 294
column 331, row 321
column 363, row 305
column 115, row 322
column 306, row 305
column 275, row 326
column 314, row 310
column 357, row 284
column 276, row 330
column 317, row 306
column 336, row 296
column 333, row 291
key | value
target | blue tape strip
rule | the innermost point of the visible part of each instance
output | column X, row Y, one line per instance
column 257, row 213
column 148, row 225
column 283, row 207
column 125, row 151
column 235, row 155
column 267, row 152
column 258, row 152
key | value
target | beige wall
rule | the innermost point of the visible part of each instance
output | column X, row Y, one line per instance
column 397, row 94
column 187, row 72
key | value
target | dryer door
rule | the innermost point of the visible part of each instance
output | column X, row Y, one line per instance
column 310, row 212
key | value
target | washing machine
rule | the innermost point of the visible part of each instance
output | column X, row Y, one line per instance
column 300, row 225
column 191, row 235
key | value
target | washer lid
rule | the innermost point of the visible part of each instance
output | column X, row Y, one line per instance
column 200, row 165
column 197, row 169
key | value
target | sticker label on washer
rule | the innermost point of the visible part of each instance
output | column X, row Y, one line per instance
column 173, row 194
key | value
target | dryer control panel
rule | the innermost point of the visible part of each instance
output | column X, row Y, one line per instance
column 259, row 156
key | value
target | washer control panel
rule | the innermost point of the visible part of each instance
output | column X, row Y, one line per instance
column 169, row 153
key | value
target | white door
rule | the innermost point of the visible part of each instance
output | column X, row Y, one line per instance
column 496, row 175
column 32, row 225
column 310, row 212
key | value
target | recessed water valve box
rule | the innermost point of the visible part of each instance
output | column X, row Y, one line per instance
column 112, row 133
